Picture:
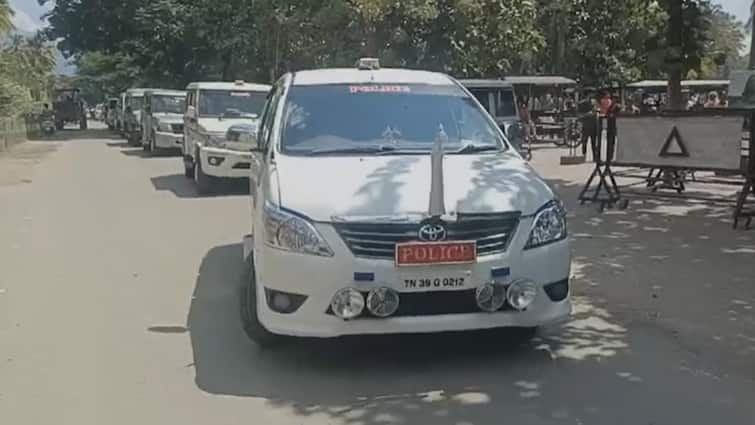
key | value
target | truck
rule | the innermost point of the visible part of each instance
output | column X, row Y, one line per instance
column 69, row 107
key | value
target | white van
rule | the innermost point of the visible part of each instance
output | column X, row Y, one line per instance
column 211, row 109
column 162, row 119
column 132, row 115
column 388, row 201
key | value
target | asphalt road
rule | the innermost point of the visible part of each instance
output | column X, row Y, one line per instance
column 118, row 305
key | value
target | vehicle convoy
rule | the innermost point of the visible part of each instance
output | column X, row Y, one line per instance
column 388, row 201
column 132, row 121
column 111, row 114
column 211, row 109
column 69, row 107
column 499, row 99
column 162, row 119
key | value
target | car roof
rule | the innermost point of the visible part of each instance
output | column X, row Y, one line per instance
column 228, row 85
column 480, row 83
column 166, row 92
column 367, row 76
column 136, row 91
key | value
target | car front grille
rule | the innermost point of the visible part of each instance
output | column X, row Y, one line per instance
column 492, row 232
column 177, row 128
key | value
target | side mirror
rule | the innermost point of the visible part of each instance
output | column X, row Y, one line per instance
column 250, row 139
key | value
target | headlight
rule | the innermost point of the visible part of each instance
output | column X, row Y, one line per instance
column 549, row 225
column 289, row 232
column 165, row 127
column 215, row 142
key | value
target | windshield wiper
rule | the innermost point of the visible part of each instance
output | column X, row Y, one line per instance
column 472, row 148
column 374, row 150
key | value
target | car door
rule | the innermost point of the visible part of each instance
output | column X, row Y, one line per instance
column 190, row 123
column 146, row 119
column 258, row 161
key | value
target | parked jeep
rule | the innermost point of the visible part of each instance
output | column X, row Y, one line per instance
column 132, row 120
column 162, row 120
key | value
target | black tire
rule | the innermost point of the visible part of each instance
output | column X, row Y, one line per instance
column 248, row 303
column 188, row 168
column 59, row 125
column 83, row 124
column 202, row 180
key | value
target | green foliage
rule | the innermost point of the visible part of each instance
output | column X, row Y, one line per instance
column 26, row 65
column 6, row 13
column 169, row 43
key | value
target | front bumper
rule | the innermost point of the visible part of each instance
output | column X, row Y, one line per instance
column 318, row 278
column 218, row 162
column 168, row 140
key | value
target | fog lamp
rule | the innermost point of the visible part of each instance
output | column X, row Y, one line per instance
column 382, row 302
column 215, row 160
column 491, row 296
column 347, row 303
column 521, row 294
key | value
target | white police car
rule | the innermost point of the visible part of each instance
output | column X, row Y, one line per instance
column 389, row 201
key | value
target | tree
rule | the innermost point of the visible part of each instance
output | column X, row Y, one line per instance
column 751, row 25
column 6, row 13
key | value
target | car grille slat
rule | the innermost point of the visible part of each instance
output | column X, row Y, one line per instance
column 492, row 232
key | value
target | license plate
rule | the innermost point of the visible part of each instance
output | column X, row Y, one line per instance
column 431, row 283
column 424, row 253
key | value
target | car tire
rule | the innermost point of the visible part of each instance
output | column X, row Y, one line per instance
column 188, row 168
column 248, row 303
column 202, row 180
column 153, row 144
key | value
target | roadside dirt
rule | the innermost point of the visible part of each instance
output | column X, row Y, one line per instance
column 17, row 164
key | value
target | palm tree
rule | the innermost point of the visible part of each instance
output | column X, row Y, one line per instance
column 6, row 13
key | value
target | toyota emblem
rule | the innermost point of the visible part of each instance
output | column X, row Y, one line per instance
column 433, row 232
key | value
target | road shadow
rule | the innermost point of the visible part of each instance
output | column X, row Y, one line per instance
column 183, row 187
column 91, row 134
column 666, row 263
column 581, row 372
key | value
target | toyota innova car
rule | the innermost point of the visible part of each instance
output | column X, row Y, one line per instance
column 389, row 201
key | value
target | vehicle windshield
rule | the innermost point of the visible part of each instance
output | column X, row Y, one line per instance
column 135, row 102
column 231, row 104
column 168, row 104
column 401, row 118
column 499, row 102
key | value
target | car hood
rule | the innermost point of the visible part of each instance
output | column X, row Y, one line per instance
column 215, row 126
column 324, row 188
column 168, row 118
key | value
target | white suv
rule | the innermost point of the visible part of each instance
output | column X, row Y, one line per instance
column 211, row 109
column 389, row 201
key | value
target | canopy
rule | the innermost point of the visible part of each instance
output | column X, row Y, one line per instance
column 540, row 80
column 646, row 84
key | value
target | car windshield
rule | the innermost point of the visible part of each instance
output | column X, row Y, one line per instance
column 231, row 104
column 499, row 102
column 168, row 104
column 135, row 102
column 399, row 118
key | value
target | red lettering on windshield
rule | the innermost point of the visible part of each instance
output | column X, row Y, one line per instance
column 379, row 89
